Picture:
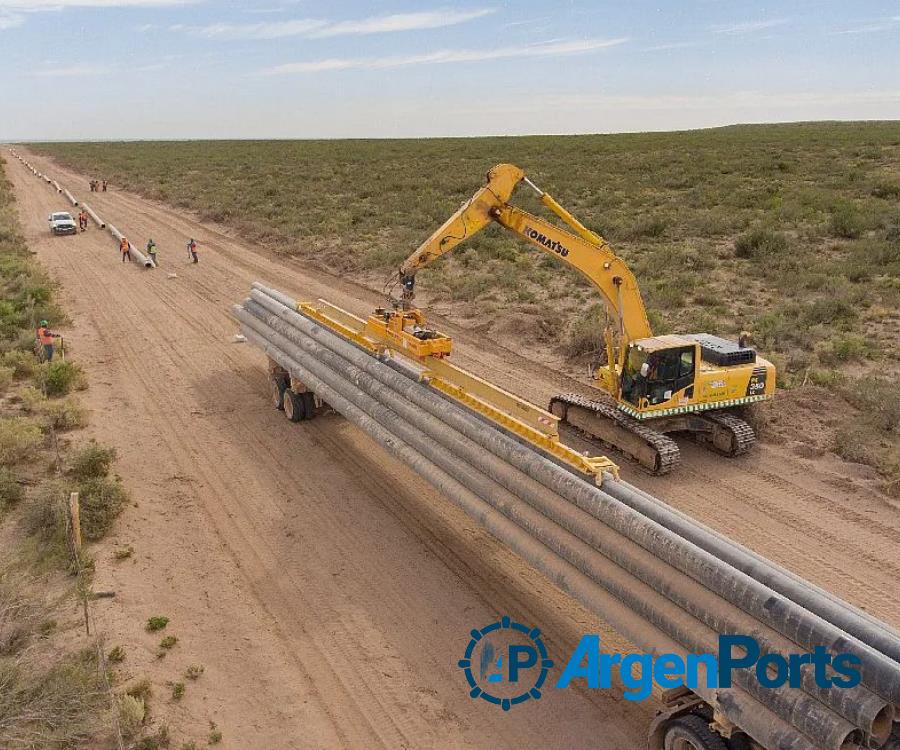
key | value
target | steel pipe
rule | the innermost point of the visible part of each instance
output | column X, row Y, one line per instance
column 854, row 621
column 90, row 212
column 136, row 255
column 756, row 719
column 71, row 197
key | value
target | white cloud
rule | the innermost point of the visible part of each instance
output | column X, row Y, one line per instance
column 748, row 27
column 71, row 71
column 553, row 49
column 888, row 24
column 273, row 30
column 671, row 45
column 10, row 20
column 31, row 5
column 316, row 28
column 402, row 22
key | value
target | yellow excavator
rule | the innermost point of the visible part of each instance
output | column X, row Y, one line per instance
column 658, row 384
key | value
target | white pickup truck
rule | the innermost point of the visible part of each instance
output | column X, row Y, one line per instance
column 62, row 222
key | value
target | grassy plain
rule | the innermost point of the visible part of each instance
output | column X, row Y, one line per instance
column 791, row 232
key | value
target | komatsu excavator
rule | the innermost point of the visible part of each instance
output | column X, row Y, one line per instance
column 658, row 384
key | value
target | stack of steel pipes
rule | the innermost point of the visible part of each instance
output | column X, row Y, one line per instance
column 666, row 583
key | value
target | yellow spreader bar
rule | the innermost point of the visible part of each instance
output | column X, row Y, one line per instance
column 529, row 422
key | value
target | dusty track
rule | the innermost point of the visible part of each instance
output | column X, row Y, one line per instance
column 327, row 590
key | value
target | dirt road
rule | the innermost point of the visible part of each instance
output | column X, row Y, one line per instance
column 327, row 590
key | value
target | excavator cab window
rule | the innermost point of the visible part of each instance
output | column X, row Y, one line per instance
column 657, row 375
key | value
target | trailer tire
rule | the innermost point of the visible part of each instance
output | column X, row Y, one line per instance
column 309, row 404
column 277, row 387
column 692, row 732
column 294, row 408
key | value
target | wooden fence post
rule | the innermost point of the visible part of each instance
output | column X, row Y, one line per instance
column 75, row 519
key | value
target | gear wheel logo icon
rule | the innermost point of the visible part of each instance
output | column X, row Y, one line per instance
column 505, row 663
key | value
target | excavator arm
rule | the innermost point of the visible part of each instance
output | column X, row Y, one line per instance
column 584, row 250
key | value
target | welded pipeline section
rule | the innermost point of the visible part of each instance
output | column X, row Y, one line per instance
column 136, row 255
column 90, row 212
column 674, row 582
column 71, row 197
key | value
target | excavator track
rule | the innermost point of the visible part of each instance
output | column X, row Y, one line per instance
column 655, row 452
column 741, row 436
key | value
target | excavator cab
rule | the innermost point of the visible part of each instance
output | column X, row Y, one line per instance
column 654, row 376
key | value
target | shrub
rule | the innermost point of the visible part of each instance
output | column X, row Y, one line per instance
column 60, row 378
column 102, row 499
column 830, row 310
column 19, row 438
column 63, row 415
column 168, row 642
column 23, row 364
column 877, row 397
column 760, row 241
column 194, row 671
column 585, row 335
column 887, row 188
column 92, row 462
column 846, row 221
column 649, row 226
column 60, row 705
column 32, row 399
column 11, row 490
column 848, row 348
column 116, row 655
column 177, row 691
column 141, row 689
column 132, row 712
column 157, row 622
column 45, row 513
column 6, row 377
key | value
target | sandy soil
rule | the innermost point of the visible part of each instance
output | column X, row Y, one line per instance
column 326, row 589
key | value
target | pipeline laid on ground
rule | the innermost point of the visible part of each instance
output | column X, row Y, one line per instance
column 136, row 255
column 662, row 580
column 90, row 212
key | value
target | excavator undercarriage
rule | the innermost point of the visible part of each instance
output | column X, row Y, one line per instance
column 651, row 447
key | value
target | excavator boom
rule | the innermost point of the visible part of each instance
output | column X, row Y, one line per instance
column 586, row 251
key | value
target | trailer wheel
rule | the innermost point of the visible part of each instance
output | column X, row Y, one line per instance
column 692, row 732
column 309, row 404
column 277, row 387
column 294, row 408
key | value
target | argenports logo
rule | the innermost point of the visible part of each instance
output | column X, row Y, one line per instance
column 506, row 663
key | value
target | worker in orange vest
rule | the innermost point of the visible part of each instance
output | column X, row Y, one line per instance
column 47, row 340
column 125, row 248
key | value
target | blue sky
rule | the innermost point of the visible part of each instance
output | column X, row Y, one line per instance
column 120, row 69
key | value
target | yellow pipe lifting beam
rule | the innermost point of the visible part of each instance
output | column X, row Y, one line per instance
column 506, row 410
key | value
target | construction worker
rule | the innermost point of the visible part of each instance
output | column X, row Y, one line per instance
column 104, row 186
column 46, row 340
column 125, row 247
column 151, row 251
column 83, row 221
column 192, row 250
